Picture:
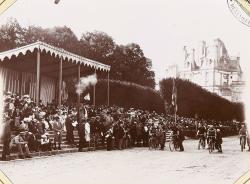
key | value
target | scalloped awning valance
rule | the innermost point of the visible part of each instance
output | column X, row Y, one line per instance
column 57, row 52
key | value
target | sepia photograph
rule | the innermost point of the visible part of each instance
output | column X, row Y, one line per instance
column 124, row 91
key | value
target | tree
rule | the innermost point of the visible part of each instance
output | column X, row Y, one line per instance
column 137, row 66
column 62, row 37
column 128, row 63
column 98, row 46
column 11, row 35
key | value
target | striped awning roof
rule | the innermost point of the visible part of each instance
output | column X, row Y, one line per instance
column 56, row 52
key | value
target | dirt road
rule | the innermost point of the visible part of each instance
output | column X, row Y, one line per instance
column 138, row 165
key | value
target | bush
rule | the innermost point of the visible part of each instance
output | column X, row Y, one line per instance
column 192, row 100
column 127, row 94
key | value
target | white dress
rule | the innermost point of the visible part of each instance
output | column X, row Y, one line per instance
column 87, row 132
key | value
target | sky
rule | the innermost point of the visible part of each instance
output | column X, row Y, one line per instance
column 160, row 27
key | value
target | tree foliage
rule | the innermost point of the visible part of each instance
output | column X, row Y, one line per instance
column 127, row 62
column 192, row 100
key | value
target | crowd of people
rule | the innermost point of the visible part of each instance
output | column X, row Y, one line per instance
column 27, row 126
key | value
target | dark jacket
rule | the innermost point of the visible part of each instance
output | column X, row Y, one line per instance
column 120, row 133
column 81, row 130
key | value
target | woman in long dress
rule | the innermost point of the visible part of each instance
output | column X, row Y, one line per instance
column 87, row 131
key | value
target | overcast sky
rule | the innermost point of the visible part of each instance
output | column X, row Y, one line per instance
column 160, row 27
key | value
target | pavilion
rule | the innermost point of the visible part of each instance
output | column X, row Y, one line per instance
column 38, row 69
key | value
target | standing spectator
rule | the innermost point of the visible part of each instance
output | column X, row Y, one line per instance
column 145, row 135
column 139, row 134
column 243, row 134
column 126, row 137
column 181, row 138
column 248, row 141
column 115, row 134
column 6, row 137
column 102, row 131
column 70, row 129
column 162, row 137
column 120, row 135
column 58, row 128
column 87, row 131
column 218, row 141
column 81, row 134
column 132, row 133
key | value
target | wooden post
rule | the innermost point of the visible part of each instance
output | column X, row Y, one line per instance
column 78, row 94
column 60, row 83
column 38, row 64
column 94, row 90
column 108, row 89
column 20, row 84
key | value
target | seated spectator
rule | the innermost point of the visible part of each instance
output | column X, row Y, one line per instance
column 24, row 125
column 21, row 144
column 32, row 141
column 109, row 138
column 45, row 144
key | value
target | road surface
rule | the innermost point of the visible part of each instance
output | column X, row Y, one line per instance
column 138, row 165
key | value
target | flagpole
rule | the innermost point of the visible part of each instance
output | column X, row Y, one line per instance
column 175, row 117
column 174, row 100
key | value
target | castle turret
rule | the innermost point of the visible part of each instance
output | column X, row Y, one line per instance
column 185, row 53
column 193, row 58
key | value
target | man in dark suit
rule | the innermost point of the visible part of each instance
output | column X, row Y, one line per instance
column 81, row 134
column 58, row 128
column 120, row 135
column 70, row 129
column 181, row 138
column 6, row 138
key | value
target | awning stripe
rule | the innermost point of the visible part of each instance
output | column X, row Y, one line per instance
column 58, row 52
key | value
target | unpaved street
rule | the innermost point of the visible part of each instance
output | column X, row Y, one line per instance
column 138, row 165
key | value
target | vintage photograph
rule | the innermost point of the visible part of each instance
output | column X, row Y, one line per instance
column 124, row 91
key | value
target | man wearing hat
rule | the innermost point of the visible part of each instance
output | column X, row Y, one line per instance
column 58, row 128
column 45, row 142
column 70, row 128
column 218, row 141
column 20, row 142
column 109, row 137
column 81, row 134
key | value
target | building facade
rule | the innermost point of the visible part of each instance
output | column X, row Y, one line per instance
column 211, row 67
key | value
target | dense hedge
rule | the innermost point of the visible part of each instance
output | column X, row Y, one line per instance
column 128, row 94
column 124, row 94
column 192, row 100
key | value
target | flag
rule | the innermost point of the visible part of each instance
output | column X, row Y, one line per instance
column 174, row 97
column 87, row 97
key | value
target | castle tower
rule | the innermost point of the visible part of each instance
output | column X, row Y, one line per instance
column 193, row 58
